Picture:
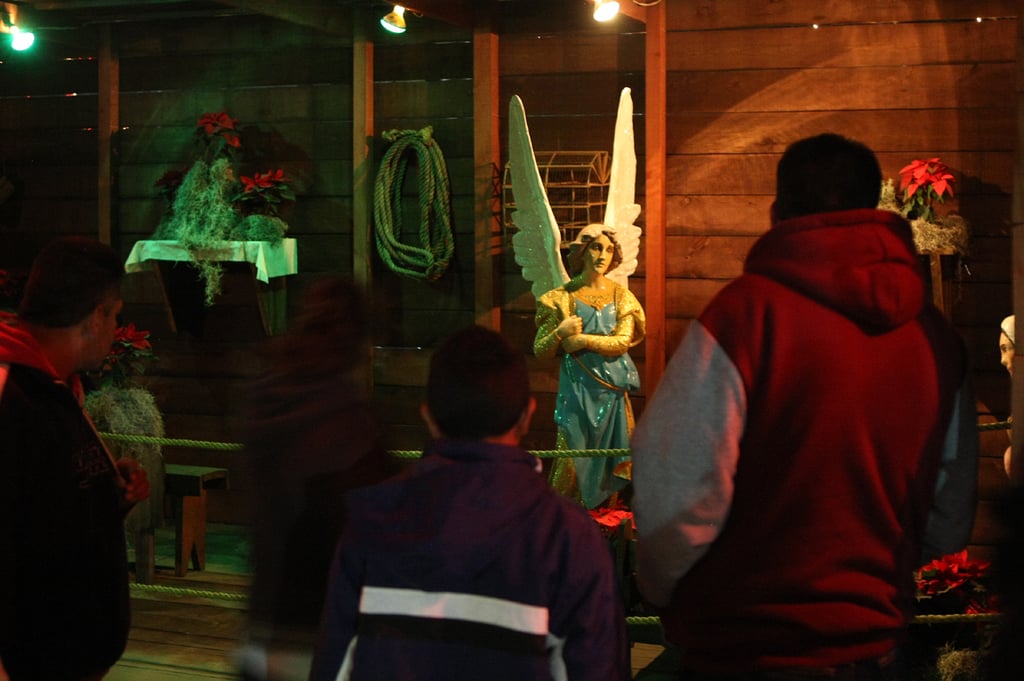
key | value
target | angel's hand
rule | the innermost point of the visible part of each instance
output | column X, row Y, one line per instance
column 569, row 327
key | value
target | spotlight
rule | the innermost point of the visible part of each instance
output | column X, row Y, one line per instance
column 605, row 10
column 21, row 40
column 394, row 20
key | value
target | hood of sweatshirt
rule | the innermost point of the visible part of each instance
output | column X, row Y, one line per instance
column 861, row 263
column 18, row 346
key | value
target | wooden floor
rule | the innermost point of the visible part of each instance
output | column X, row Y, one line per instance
column 189, row 627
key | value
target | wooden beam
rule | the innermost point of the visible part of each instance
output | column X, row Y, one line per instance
column 455, row 12
column 108, row 116
column 362, row 151
column 655, row 224
column 486, row 161
column 323, row 14
column 633, row 11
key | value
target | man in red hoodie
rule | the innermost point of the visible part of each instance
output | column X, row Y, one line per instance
column 63, row 577
column 812, row 442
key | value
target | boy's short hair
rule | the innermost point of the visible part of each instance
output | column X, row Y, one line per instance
column 826, row 173
column 478, row 385
column 69, row 278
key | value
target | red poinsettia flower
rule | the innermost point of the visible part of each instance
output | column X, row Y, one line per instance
column 263, row 180
column 216, row 123
column 219, row 126
column 931, row 173
column 611, row 517
column 949, row 573
column 262, row 193
column 131, row 337
column 128, row 355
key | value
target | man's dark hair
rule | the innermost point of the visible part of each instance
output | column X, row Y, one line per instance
column 826, row 173
column 69, row 278
column 478, row 385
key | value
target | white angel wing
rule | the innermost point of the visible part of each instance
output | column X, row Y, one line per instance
column 537, row 241
column 621, row 211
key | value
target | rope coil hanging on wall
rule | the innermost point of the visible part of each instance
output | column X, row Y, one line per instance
column 430, row 259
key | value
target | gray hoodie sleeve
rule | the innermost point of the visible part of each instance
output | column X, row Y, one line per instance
column 685, row 449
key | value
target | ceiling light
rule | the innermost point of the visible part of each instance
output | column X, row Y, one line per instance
column 605, row 10
column 21, row 40
column 394, row 20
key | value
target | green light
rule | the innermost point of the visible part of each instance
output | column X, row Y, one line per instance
column 21, row 40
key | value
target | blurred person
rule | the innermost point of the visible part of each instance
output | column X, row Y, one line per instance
column 64, row 606
column 469, row 565
column 812, row 442
column 312, row 436
column 1004, row 659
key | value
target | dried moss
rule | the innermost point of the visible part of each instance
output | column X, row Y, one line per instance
column 959, row 665
column 202, row 215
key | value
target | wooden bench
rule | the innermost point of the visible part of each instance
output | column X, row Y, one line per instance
column 185, row 487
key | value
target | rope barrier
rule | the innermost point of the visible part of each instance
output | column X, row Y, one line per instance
column 412, row 453
column 634, row 621
column 431, row 259
column 171, row 441
column 182, row 591
column 399, row 454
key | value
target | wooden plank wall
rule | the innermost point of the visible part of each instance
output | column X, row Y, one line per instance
column 913, row 80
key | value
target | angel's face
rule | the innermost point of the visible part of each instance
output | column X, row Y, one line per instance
column 598, row 255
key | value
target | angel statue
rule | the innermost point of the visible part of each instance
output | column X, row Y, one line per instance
column 588, row 310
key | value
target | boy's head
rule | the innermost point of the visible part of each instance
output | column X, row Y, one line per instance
column 478, row 386
column 826, row 173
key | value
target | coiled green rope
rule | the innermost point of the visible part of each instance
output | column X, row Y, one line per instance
column 429, row 260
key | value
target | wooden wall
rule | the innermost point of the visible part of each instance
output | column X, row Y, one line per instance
column 745, row 79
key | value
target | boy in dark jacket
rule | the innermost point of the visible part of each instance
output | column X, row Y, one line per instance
column 470, row 565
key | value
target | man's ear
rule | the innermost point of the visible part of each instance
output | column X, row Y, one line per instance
column 523, row 424
column 428, row 419
column 91, row 325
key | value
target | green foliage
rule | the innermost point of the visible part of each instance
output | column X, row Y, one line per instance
column 211, row 204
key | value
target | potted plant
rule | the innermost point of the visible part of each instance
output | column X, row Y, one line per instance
column 118, row 404
column 922, row 184
column 211, row 202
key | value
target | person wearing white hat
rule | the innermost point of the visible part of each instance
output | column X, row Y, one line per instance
column 1006, row 349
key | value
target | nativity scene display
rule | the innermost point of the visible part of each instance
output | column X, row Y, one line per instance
column 585, row 311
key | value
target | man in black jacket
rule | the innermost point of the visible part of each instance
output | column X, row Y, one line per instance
column 63, row 578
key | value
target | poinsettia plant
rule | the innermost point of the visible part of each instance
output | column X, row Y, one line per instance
column 129, row 354
column 956, row 574
column 215, row 200
column 924, row 183
column 264, row 193
column 217, row 134
column 608, row 519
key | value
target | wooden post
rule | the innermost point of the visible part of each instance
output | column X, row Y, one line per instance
column 362, row 163
column 486, row 159
column 362, row 151
column 654, row 197
column 1017, row 245
column 108, row 117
